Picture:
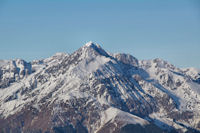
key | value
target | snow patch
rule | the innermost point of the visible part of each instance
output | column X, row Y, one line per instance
column 112, row 114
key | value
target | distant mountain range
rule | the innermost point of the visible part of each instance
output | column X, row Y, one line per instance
column 93, row 91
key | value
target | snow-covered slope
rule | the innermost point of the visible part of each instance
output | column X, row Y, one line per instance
column 91, row 90
column 194, row 73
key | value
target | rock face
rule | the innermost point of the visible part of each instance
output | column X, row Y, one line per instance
column 92, row 91
column 13, row 71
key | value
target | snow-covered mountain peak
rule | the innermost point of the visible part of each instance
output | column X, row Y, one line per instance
column 91, row 44
column 92, row 91
column 90, row 50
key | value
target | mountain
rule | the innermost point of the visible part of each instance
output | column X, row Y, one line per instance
column 93, row 91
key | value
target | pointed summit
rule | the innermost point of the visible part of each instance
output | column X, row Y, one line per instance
column 94, row 48
column 92, row 45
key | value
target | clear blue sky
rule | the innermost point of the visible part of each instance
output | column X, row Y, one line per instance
column 168, row 29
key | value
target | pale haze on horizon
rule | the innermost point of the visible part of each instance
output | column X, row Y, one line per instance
column 169, row 30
